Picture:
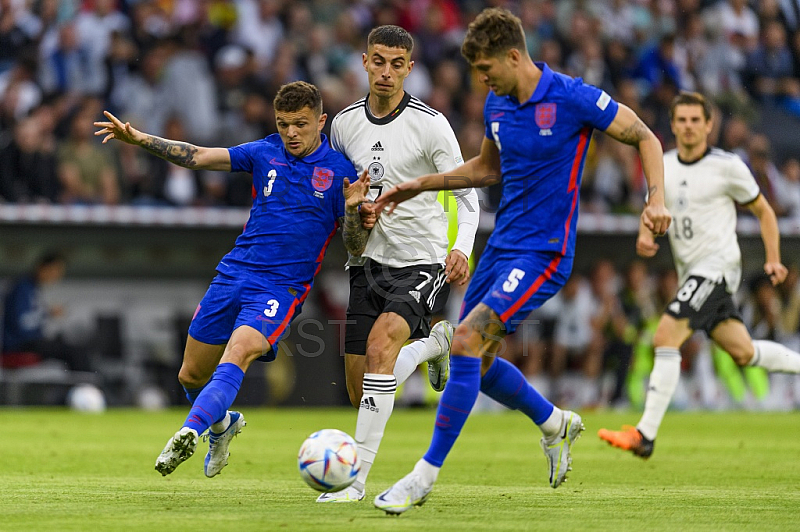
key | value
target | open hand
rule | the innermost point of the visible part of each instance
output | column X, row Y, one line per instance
column 356, row 193
column 114, row 129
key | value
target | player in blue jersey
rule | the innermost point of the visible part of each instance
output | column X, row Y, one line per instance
column 538, row 127
column 301, row 195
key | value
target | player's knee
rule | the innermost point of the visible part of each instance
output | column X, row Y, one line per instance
column 192, row 377
column 741, row 354
column 243, row 354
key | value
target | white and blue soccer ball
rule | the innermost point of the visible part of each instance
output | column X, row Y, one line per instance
column 328, row 460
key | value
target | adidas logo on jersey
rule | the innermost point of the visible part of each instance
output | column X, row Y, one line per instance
column 675, row 307
column 415, row 295
column 369, row 404
column 377, row 146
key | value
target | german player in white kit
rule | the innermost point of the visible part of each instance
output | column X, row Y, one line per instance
column 702, row 186
column 405, row 270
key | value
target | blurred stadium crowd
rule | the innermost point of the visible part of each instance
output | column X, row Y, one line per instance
column 206, row 71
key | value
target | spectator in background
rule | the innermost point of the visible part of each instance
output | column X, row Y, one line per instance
column 28, row 164
column 25, row 316
column 140, row 96
column 735, row 135
column 19, row 29
column 791, row 176
column 63, row 69
column 738, row 22
column 94, row 29
column 235, row 82
column 587, row 62
column 657, row 65
column 19, row 93
column 87, row 173
column 188, row 91
column 769, row 179
column 769, row 68
column 259, row 28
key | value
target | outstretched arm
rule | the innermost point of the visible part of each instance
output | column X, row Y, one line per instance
column 771, row 237
column 629, row 128
column 483, row 170
column 176, row 152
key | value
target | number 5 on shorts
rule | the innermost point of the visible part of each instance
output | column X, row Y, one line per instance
column 513, row 280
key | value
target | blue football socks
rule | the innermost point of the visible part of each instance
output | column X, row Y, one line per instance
column 454, row 406
column 507, row 385
column 193, row 393
column 217, row 396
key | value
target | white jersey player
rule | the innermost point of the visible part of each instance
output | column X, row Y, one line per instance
column 703, row 197
column 413, row 140
column 403, row 275
column 702, row 186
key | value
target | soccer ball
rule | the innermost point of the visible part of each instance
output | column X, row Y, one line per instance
column 86, row 398
column 328, row 460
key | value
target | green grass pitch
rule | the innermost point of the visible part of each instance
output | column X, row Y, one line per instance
column 731, row 471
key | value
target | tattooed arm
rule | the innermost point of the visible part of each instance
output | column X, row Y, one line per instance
column 355, row 236
column 180, row 153
column 629, row 128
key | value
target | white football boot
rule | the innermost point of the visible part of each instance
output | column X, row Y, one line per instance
column 349, row 494
column 178, row 449
column 439, row 367
column 410, row 491
column 217, row 456
column 557, row 450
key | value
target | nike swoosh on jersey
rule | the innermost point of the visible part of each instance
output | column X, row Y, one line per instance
column 276, row 162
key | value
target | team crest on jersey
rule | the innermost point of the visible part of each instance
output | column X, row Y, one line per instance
column 375, row 171
column 322, row 179
column 683, row 202
column 545, row 118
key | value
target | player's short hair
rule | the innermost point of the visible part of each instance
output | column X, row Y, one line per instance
column 493, row 32
column 296, row 95
column 690, row 98
column 391, row 36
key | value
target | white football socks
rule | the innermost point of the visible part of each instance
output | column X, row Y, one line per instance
column 222, row 425
column 773, row 356
column 427, row 472
column 551, row 427
column 663, row 381
column 413, row 355
column 376, row 406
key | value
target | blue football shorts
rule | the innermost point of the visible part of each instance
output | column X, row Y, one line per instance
column 231, row 302
column 514, row 283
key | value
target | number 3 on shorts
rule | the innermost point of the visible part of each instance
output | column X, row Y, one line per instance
column 513, row 280
column 273, row 308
